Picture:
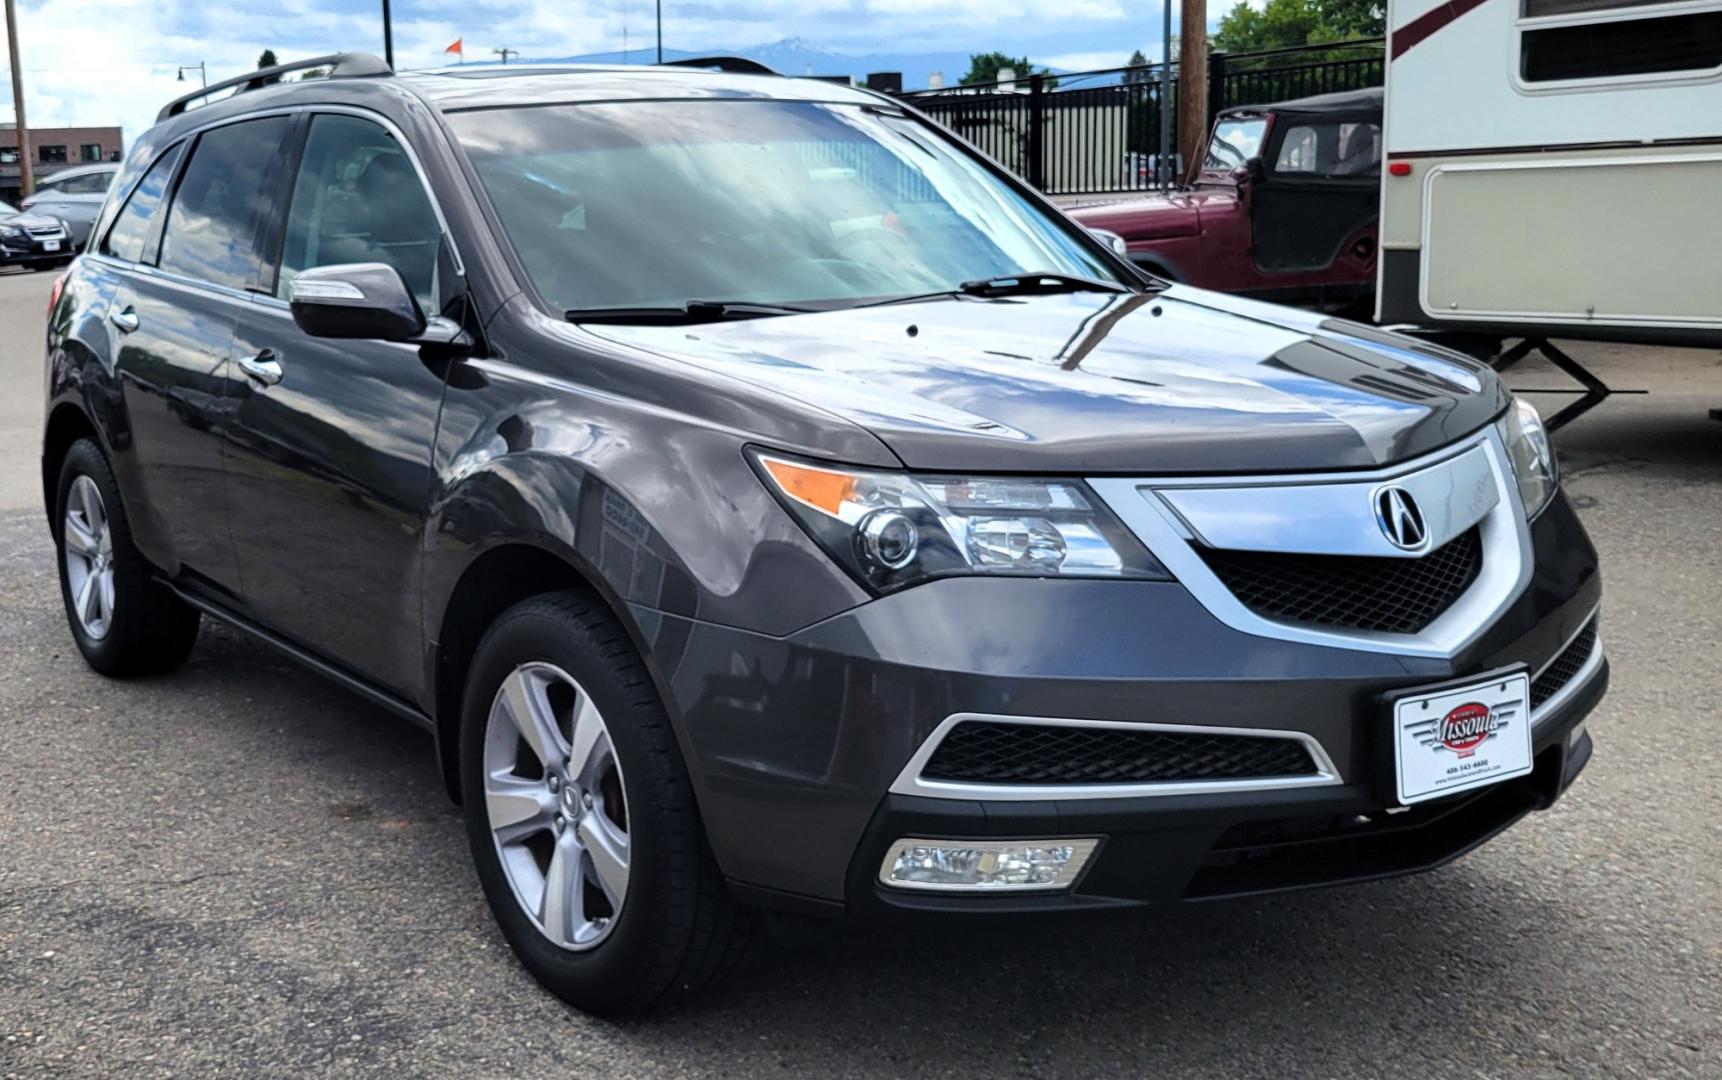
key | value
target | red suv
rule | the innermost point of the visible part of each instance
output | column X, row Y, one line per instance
column 1284, row 208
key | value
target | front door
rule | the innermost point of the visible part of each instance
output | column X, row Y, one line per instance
column 329, row 462
column 1319, row 190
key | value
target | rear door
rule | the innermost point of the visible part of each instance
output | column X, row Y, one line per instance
column 172, row 315
column 1319, row 190
column 329, row 468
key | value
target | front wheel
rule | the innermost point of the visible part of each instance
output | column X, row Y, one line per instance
column 581, row 816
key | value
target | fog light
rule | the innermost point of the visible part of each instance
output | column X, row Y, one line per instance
column 985, row 865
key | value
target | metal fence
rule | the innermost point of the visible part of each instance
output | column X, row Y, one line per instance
column 1099, row 131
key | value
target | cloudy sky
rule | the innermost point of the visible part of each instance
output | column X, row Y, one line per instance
column 98, row 61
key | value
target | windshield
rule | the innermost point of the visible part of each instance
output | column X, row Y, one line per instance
column 655, row 203
column 1234, row 142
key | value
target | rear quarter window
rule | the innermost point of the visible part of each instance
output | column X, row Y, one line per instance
column 131, row 229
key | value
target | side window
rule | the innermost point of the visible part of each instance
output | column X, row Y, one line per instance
column 45, row 188
column 212, row 225
column 1335, row 150
column 88, row 184
column 1298, row 151
column 358, row 199
column 1359, row 150
column 131, row 228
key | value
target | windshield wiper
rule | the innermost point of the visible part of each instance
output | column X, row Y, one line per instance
column 1038, row 282
column 1033, row 283
column 690, row 311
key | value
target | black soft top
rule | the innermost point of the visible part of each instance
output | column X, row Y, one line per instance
column 1359, row 103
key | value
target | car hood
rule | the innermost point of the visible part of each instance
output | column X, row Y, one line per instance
column 1177, row 213
column 29, row 219
column 1176, row 382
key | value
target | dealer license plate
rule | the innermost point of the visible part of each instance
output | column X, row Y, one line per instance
column 50, row 245
column 1454, row 739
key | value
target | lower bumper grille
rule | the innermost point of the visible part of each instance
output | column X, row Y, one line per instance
column 1396, row 596
column 1561, row 670
column 984, row 752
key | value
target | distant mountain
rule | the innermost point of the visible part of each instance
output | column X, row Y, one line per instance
column 796, row 56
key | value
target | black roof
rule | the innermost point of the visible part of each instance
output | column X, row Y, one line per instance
column 1347, row 102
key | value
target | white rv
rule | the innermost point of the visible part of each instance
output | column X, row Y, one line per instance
column 1554, row 169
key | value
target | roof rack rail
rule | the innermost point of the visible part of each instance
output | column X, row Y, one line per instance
column 735, row 65
column 353, row 65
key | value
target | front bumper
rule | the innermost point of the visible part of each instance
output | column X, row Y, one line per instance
column 794, row 743
column 31, row 249
column 1160, row 850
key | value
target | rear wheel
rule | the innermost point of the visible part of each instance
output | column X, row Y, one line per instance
column 124, row 621
column 581, row 817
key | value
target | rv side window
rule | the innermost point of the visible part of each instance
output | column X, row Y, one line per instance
column 1613, row 47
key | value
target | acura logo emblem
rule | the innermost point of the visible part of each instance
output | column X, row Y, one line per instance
column 1400, row 519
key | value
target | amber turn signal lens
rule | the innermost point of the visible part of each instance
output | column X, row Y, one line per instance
column 821, row 489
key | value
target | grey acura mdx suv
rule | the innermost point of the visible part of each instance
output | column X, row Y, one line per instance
column 767, row 502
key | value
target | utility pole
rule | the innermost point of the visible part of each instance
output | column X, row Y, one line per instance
column 26, row 168
column 388, row 37
column 505, row 53
column 1163, row 168
column 1192, row 82
column 660, row 31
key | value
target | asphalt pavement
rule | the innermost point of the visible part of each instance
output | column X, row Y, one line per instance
column 240, row 870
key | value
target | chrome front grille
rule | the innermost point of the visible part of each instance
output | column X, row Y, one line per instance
column 1388, row 595
column 52, row 232
column 1307, row 558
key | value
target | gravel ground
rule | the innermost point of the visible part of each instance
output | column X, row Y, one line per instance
column 241, row 870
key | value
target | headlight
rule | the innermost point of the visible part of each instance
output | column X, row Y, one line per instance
column 891, row 529
column 11, row 232
column 1532, row 456
column 1113, row 241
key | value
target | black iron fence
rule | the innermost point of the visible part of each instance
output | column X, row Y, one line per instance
column 1099, row 131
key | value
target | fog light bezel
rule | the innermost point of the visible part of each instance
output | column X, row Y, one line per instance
column 1081, row 859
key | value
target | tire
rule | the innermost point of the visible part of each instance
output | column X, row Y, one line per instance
column 676, row 927
column 141, row 627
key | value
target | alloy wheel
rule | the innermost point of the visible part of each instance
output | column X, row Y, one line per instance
column 88, row 547
column 557, row 805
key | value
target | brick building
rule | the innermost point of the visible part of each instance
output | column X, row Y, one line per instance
column 53, row 149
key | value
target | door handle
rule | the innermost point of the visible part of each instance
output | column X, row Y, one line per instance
column 263, row 367
column 126, row 320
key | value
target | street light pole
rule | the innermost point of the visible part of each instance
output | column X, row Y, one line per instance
column 388, row 37
column 202, row 72
column 660, row 31
column 26, row 172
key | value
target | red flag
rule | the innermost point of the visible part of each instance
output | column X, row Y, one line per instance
column 456, row 49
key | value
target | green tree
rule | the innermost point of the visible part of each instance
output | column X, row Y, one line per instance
column 266, row 59
column 985, row 67
column 1138, row 72
column 1282, row 23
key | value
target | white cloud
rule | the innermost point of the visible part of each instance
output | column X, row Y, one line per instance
column 99, row 62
